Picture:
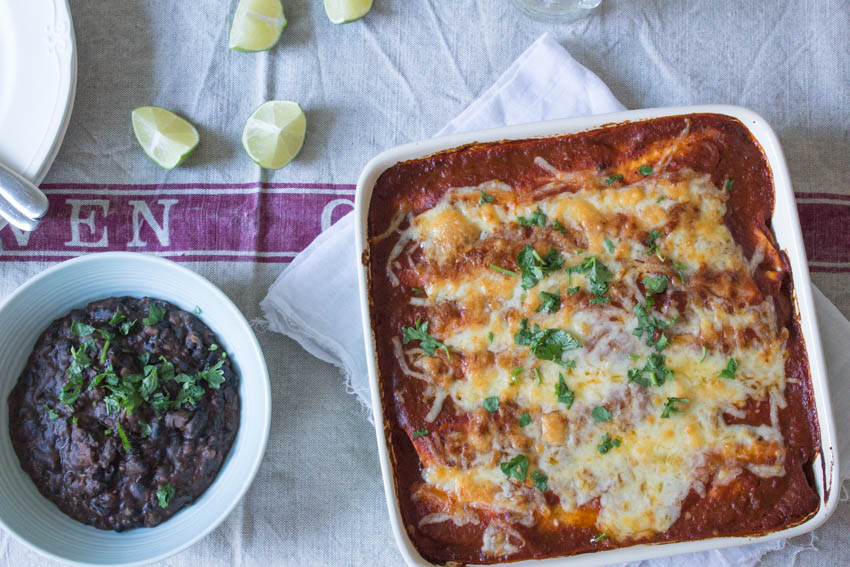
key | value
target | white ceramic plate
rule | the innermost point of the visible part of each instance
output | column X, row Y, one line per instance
column 36, row 521
column 38, row 76
column 786, row 226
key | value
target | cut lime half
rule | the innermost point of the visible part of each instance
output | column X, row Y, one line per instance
column 257, row 25
column 344, row 11
column 166, row 138
column 274, row 133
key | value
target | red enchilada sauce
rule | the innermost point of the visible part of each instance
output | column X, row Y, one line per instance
column 718, row 145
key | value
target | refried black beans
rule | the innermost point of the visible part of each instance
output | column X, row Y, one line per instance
column 125, row 412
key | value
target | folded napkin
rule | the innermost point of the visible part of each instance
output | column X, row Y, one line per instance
column 544, row 83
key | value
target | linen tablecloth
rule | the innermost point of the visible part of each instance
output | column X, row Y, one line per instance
column 396, row 76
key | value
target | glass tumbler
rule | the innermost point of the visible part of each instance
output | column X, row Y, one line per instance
column 557, row 10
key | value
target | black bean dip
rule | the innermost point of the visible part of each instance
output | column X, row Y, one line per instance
column 125, row 412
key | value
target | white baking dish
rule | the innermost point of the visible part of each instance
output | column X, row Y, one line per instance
column 786, row 226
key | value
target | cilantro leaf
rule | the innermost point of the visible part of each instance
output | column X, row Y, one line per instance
column 549, row 344
column 550, row 302
column 541, row 481
column 556, row 224
column 491, row 404
column 600, row 413
column 485, row 198
column 214, row 376
column 704, row 353
column 608, row 443
column 516, row 468
column 156, row 314
column 670, row 406
column 649, row 326
column 652, row 247
column 656, row 284
column 600, row 537
column 490, row 336
column 50, row 413
column 565, row 395
column 680, row 271
column 125, row 327
column 117, row 318
column 609, row 245
column 79, row 329
column 573, row 290
column 645, row 170
column 420, row 433
column 728, row 185
column 535, row 267
column 419, row 332
column 537, row 218
column 730, row 370
column 144, row 429
column 655, row 373
column 524, row 419
column 613, row 178
column 164, row 495
column 598, row 276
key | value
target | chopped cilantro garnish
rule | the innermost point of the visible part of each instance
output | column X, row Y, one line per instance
column 541, row 481
column 537, row 377
column 559, row 227
column 79, row 329
column 524, row 419
column 656, row 284
column 670, row 406
column 729, row 371
column 74, row 385
column 654, row 373
column 649, row 326
column 728, row 185
column 634, row 357
column 608, row 443
column 418, row 290
column 600, row 537
column 680, row 271
column 74, row 419
column 50, row 413
column 661, row 198
column 573, row 290
column 164, row 495
column 599, row 413
column 117, row 318
column 645, row 170
column 652, row 246
column 420, row 433
column 490, row 336
column 537, row 218
column 545, row 345
column 125, row 442
column 609, row 245
column 213, row 347
column 155, row 315
column 535, row 267
column 550, row 302
column 485, row 198
column 516, row 467
column 197, row 310
column 704, row 352
column 514, row 375
column 419, row 332
column 107, row 432
column 144, row 429
column 502, row 270
column 126, row 326
column 598, row 275
column 613, row 178
column 565, row 395
column 491, row 404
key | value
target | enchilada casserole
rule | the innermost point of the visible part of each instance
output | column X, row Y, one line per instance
column 588, row 342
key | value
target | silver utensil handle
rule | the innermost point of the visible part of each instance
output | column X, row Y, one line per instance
column 21, row 194
column 15, row 217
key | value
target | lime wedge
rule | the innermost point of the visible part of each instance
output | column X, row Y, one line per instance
column 257, row 25
column 166, row 138
column 344, row 11
column 274, row 133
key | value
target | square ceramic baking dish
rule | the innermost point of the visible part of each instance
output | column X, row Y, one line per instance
column 786, row 226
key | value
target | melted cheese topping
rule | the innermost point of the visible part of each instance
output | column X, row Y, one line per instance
column 636, row 489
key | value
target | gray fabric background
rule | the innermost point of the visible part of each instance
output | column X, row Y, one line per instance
column 396, row 76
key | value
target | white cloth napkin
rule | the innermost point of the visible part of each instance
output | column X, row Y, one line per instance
column 544, row 83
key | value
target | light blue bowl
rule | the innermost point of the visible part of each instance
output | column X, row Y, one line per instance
column 36, row 521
